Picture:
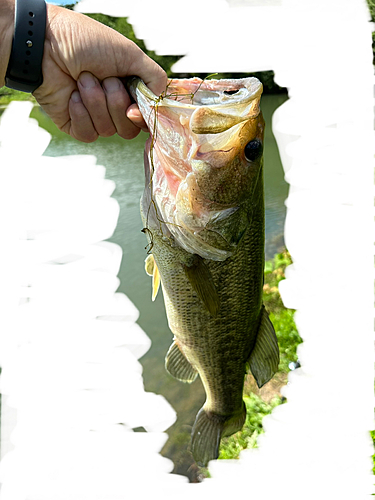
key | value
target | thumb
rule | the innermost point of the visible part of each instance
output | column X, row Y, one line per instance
column 137, row 63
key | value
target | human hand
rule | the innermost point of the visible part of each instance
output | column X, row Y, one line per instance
column 82, row 65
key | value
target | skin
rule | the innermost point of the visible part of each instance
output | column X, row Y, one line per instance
column 83, row 64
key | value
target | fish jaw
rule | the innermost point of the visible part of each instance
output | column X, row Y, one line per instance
column 198, row 172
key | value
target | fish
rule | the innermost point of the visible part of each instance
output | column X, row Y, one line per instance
column 203, row 215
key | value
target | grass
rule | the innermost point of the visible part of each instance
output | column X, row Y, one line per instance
column 288, row 339
column 282, row 318
column 256, row 409
column 8, row 95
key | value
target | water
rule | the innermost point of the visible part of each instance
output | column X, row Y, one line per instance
column 124, row 164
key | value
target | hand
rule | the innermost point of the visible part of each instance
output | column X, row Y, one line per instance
column 82, row 65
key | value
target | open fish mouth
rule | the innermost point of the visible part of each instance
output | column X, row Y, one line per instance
column 204, row 101
column 205, row 126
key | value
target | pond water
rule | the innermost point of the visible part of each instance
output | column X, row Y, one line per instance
column 124, row 165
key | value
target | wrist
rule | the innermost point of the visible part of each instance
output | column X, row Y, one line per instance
column 6, row 35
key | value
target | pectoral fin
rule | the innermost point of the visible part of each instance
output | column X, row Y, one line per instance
column 152, row 270
column 149, row 264
column 201, row 280
column 178, row 366
column 264, row 358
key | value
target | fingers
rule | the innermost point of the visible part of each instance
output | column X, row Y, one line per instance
column 118, row 102
column 102, row 110
column 89, row 116
column 81, row 125
column 95, row 102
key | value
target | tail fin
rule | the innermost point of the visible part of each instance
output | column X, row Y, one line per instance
column 208, row 430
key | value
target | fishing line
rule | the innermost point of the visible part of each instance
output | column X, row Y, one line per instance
column 158, row 100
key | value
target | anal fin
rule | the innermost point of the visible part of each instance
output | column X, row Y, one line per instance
column 264, row 358
column 178, row 366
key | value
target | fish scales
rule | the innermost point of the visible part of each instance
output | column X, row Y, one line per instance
column 203, row 210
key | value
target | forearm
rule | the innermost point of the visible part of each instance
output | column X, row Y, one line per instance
column 6, row 35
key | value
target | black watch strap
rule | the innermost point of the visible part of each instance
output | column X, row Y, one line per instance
column 25, row 64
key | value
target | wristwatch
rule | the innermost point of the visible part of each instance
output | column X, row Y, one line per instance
column 24, row 70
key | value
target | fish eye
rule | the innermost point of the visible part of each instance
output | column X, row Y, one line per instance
column 253, row 149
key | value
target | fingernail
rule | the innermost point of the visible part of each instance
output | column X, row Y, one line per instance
column 87, row 80
column 75, row 97
column 111, row 84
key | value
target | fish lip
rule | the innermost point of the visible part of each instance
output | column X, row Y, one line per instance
column 134, row 82
column 253, row 85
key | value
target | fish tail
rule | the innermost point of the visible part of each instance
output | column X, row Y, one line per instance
column 208, row 429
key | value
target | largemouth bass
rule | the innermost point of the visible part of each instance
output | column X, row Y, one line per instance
column 203, row 212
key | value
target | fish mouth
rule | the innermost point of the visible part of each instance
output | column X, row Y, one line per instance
column 197, row 92
column 213, row 106
column 214, row 93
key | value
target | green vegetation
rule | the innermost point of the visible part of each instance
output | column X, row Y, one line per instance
column 287, row 337
column 288, row 340
column 8, row 95
column 373, row 456
column 282, row 318
column 259, row 405
column 371, row 5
